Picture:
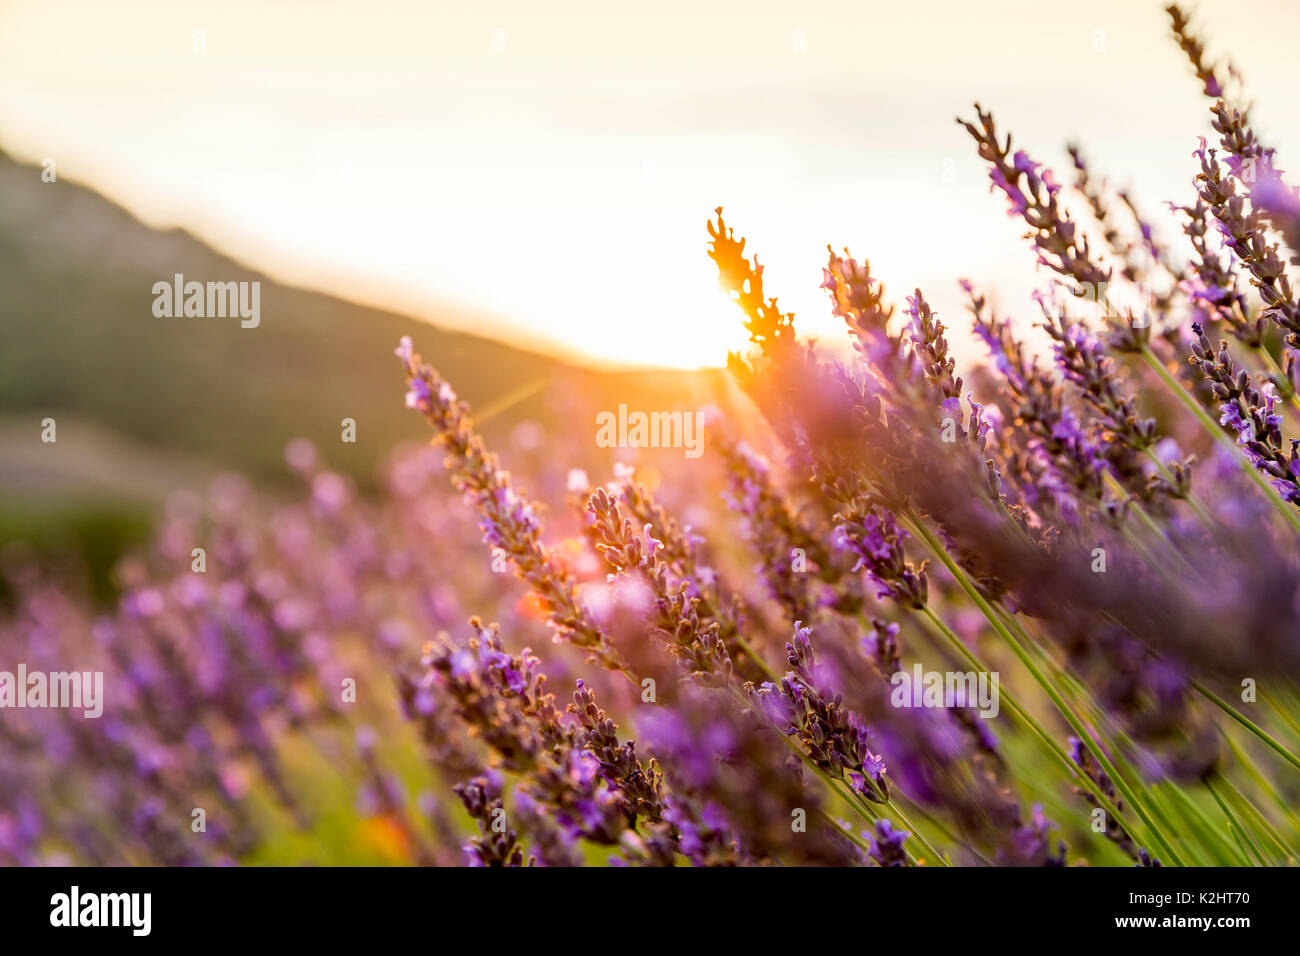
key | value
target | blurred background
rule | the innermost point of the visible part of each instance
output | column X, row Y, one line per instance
column 521, row 187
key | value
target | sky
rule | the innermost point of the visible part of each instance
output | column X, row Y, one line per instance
column 548, row 167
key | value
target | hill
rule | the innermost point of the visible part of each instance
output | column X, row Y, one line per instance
column 78, row 338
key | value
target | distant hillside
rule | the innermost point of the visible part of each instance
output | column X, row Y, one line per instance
column 78, row 337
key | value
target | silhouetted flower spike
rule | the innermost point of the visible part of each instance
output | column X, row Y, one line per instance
column 743, row 280
column 1248, row 160
column 1253, row 166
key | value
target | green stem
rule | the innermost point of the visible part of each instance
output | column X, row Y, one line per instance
column 1225, row 853
column 1282, row 711
column 1263, row 782
column 1166, row 812
column 1260, row 819
column 1075, row 724
column 1233, row 822
column 1246, row 722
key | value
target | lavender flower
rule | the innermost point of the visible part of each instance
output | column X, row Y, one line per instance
column 1080, row 755
column 887, row 844
column 836, row 738
column 1253, row 414
column 1242, row 235
column 509, row 521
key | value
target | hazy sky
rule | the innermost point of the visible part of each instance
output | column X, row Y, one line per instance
column 553, row 163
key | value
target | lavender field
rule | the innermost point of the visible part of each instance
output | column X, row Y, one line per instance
column 876, row 599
